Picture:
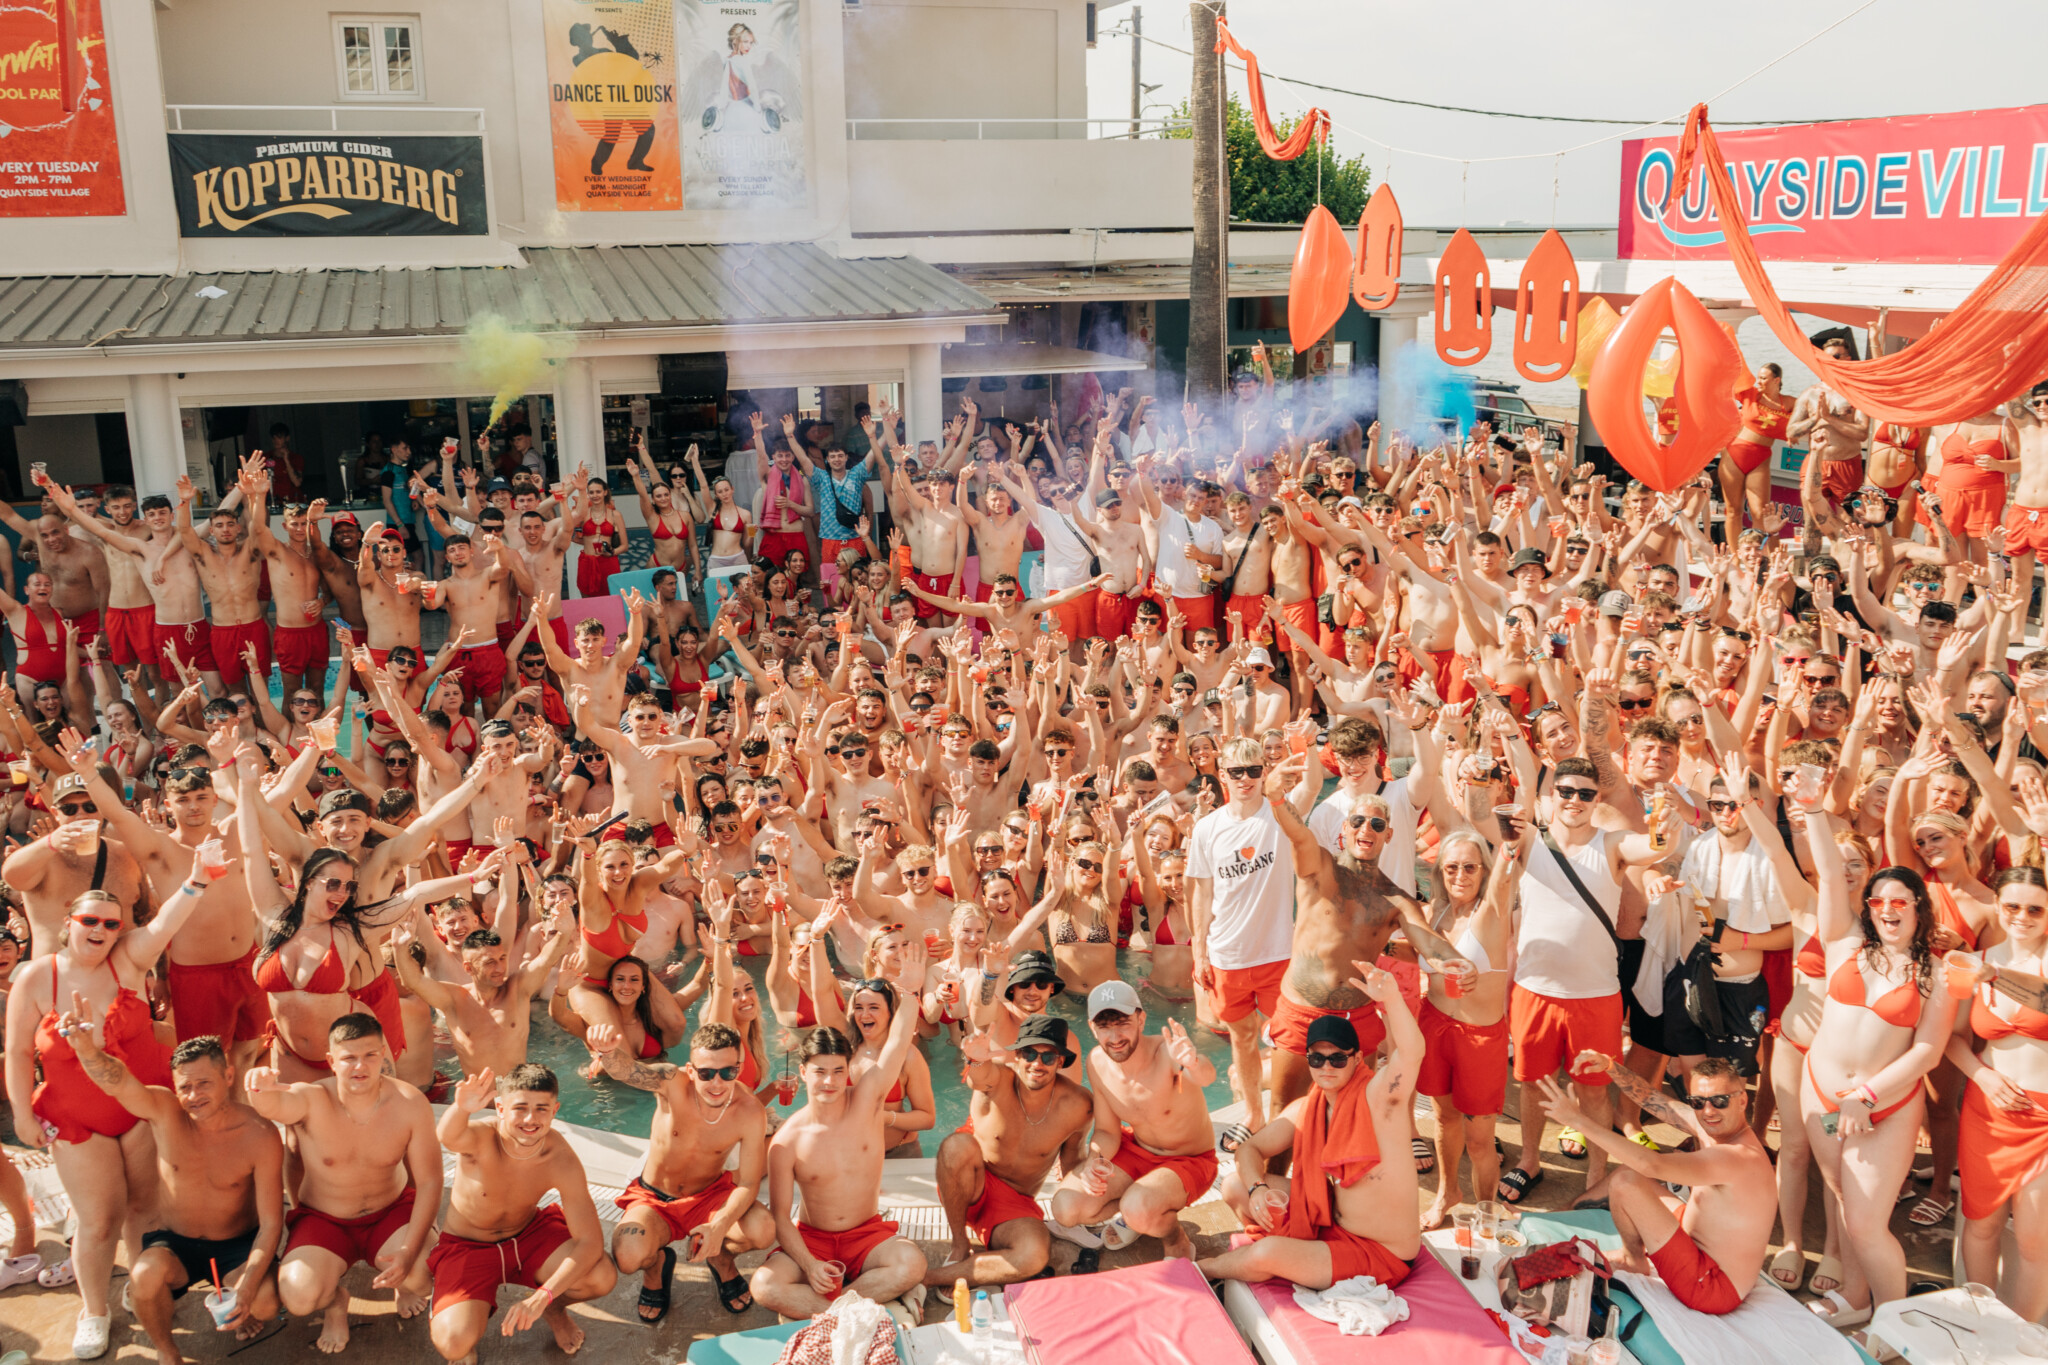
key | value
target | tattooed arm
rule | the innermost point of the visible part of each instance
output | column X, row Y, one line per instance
column 621, row 1065
column 1597, row 711
column 1655, row 1103
column 2030, row 991
column 150, row 1103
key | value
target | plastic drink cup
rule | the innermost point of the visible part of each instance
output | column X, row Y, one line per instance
column 949, row 992
column 89, row 838
column 39, row 473
column 1961, row 970
column 213, row 858
column 1575, row 1350
column 19, row 769
column 1468, row 1265
column 1574, row 608
column 1489, row 1219
column 1298, row 742
column 932, row 941
column 1605, row 1351
column 837, row 1270
column 1464, row 1223
column 222, row 1304
column 785, row 1090
column 1454, row 985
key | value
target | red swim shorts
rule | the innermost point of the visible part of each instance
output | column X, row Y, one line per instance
column 850, row 1248
column 190, row 641
column 1288, row 1025
column 1000, row 1203
column 1549, row 1033
column 466, row 1271
column 1197, row 1170
column 1241, row 990
column 936, row 585
column 218, row 998
column 1114, row 613
column 352, row 1239
column 1468, row 1062
column 1077, row 617
column 228, row 642
column 2026, row 531
column 302, row 649
column 776, row 545
column 1200, row 611
column 684, row 1213
column 1840, row 478
column 483, row 672
column 131, row 635
column 1693, row 1278
column 1250, row 611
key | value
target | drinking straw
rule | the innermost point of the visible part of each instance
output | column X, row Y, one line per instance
column 215, row 1263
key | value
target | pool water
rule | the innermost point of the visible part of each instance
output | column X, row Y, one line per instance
column 614, row 1107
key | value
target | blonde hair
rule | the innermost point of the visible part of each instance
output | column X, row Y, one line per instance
column 1242, row 752
column 1439, row 893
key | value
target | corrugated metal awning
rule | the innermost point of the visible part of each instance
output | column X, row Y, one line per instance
column 1052, row 283
column 571, row 289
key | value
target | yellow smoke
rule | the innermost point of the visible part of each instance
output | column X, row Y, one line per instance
column 508, row 360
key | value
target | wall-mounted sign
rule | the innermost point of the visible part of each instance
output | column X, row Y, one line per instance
column 59, row 156
column 329, row 185
column 742, row 105
column 612, row 104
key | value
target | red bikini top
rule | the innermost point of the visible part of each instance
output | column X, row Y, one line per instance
column 329, row 978
column 1986, row 1024
column 1812, row 960
column 1899, row 1006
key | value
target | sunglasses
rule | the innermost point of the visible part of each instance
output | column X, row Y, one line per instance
column 1722, row 807
column 1734, row 634
column 1889, row 903
column 305, row 701
column 96, row 922
column 1375, row 823
column 81, row 808
column 1823, row 679
column 1565, row 793
column 853, row 753
column 1702, row 1101
column 1245, row 774
column 1638, row 704
column 716, row 1073
column 1349, row 565
column 992, row 849
column 1319, row 1060
column 1043, row 1056
column 1086, row 866
column 337, row 884
column 924, row 871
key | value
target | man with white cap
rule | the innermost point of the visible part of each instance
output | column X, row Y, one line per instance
column 1153, row 1152
column 1269, row 706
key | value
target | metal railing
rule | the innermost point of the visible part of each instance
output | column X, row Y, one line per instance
column 1146, row 127
column 324, row 118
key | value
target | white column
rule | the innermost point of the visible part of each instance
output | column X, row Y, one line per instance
column 579, row 417
column 924, row 396
column 156, row 441
column 1398, row 327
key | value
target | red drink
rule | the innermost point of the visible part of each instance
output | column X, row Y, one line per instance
column 785, row 1090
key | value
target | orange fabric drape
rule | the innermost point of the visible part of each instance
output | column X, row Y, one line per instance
column 1993, row 346
column 1315, row 124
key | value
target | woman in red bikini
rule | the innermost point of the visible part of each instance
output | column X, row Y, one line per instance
column 734, row 1002
column 1882, row 1028
column 630, row 985
column 313, row 949
column 599, row 538
column 104, row 1155
column 674, row 534
column 1976, row 455
column 908, row 1109
column 1746, row 463
column 2001, row 1046
column 613, row 901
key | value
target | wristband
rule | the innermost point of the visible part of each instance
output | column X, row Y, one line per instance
column 1867, row 1095
column 543, row 1289
column 1262, row 1185
column 189, row 889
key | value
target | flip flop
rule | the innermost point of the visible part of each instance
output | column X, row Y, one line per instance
column 1931, row 1211
column 658, row 1299
column 1643, row 1139
column 1520, row 1182
column 1576, row 1139
column 1232, row 1138
column 1790, row 1261
column 1424, row 1154
column 734, row 1289
column 20, row 1270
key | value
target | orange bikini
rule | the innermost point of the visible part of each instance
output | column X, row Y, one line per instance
column 2000, row 1152
column 1899, row 1007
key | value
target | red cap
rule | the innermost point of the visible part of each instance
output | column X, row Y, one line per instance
column 345, row 519
column 1504, row 488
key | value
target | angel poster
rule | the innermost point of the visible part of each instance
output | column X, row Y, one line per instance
column 741, row 105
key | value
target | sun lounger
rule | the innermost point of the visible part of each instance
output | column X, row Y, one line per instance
column 1444, row 1324
column 1162, row 1311
column 762, row 1346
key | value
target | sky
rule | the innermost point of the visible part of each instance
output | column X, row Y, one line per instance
column 1587, row 58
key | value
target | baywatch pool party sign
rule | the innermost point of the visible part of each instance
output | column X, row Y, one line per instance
column 1957, row 188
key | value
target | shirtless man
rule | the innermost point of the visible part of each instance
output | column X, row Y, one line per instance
column 999, row 525
column 488, row 1017
column 474, row 593
column 336, row 559
column 130, row 622
column 228, row 568
column 1154, row 1151
column 76, row 857
column 1120, row 545
column 1249, row 543
column 997, row 602
column 77, row 568
column 920, row 909
column 1831, row 426
column 1428, row 620
column 685, row 1191
column 935, row 533
column 831, row 1150
column 391, row 593
column 644, row 760
column 220, row 1183
column 1022, row 1117
column 1709, row 1246
column 604, row 677
column 544, row 547
column 371, row 1179
column 842, row 779
column 497, row 1233
column 296, row 587
column 208, row 966
column 1355, row 1213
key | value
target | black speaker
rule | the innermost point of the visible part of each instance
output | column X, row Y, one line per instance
column 226, row 424
column 13, row 403
column 695, row 374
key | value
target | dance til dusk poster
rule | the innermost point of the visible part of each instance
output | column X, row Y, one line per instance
column 59, row 154
column 612, row 104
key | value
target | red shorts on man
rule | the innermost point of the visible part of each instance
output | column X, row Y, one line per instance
column 131, row 635
column 467, row 1271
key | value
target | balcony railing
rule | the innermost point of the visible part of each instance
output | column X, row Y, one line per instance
column 932, row 128
column 322, row 118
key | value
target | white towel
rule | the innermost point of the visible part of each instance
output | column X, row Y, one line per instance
column 855, row 1320
column 1769, row 1328
column 1360, row 1306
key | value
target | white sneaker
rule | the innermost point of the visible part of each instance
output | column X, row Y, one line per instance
column 1080, row 1234
column 89, row 1342
column 1117, row 1234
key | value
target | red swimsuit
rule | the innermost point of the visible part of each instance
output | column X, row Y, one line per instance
column 68, row 1099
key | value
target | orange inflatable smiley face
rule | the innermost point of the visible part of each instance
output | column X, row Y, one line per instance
column 1464, row 302
column 1319, row 286
column 1710, row 364
column 1376, row 280
column 1547, row 312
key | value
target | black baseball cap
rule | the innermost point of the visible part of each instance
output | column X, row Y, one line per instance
column 1333, row 1029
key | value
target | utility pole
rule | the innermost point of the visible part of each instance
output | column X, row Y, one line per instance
column 1137, row 67
column 1208, row 291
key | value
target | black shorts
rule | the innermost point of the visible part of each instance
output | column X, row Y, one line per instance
column 198, row 1255
column 1645, row 1030
column 1745, row 1009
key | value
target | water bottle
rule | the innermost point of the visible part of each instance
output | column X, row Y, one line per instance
column 984, row 1324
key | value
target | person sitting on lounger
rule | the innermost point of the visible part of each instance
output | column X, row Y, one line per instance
column 1709, row 1247
column 1153, row 1152
column 1315, row 1232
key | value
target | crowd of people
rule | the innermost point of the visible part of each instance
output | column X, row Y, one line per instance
column 1410, row 767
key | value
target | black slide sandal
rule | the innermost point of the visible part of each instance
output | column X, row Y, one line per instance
column 657, row 1299
column 1519, row 1181
column 733, row 1289
column 1087, row 1263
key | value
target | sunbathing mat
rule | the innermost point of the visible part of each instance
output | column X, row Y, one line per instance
column 1160, row 1313
column 1444, row 1323
column 1771, row 1326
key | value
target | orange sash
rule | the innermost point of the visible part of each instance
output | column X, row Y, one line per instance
column 1342, row 1147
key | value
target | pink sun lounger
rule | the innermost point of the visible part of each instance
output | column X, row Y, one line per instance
column 1160, row 1313
column 1444, row 1324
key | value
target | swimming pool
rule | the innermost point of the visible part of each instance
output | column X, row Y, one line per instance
column 614, row 1107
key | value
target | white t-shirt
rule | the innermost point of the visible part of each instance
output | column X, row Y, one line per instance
column 1179, row 573
column 1397, row 857
column 1743, row 885
column 1562, row 951
column 1251, row 905
column 1066, row 553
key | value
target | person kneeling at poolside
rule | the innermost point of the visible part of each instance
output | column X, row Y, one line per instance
column 1708, row 1248
column 1334, row 1226
column 712, row 1209
column 497, row 1233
